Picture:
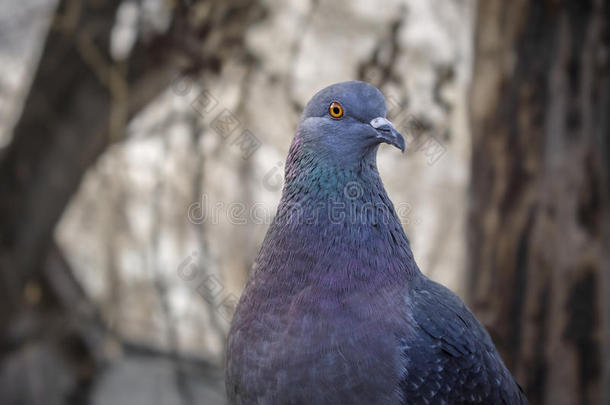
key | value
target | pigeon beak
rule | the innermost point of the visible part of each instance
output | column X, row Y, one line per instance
column 387, row 133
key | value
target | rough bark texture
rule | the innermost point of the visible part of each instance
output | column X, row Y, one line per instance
column 539, row 220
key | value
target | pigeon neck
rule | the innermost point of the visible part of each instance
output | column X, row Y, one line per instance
column 337, row 226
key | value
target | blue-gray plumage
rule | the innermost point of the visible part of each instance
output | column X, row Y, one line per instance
column 336, row 310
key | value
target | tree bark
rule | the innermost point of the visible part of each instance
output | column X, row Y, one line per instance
column 539, row 225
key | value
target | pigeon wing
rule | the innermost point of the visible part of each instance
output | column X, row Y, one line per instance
column 450, row 357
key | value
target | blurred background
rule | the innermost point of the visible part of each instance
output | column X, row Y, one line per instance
column 142, row 145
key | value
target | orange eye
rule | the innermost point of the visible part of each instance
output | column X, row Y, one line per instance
column 335, row 110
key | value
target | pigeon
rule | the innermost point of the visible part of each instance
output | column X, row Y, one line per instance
column 335, row 310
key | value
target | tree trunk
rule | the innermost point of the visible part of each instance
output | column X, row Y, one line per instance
column 79, row 103
column 539, row 234
column 51, row 334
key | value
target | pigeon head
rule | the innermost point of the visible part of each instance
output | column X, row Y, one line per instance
column 345, row 122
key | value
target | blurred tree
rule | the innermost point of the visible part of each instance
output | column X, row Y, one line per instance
column 539, row 221
column 81, row 98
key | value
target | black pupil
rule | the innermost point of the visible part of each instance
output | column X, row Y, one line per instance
column 336, row 110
